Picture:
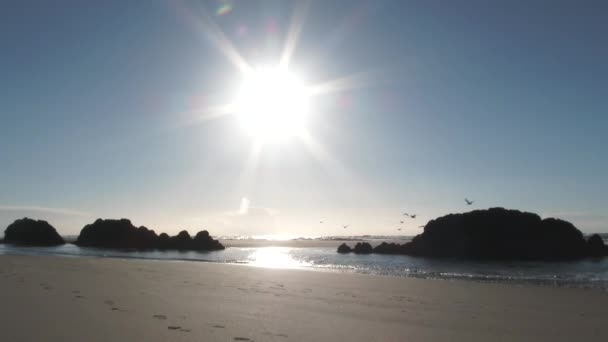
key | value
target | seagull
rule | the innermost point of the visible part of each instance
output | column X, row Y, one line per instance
column 320, row 221
column 401, row 222
column 398, row 228
column 345, row 226
column 468, row 202
column 406, row 214
column 413, row 216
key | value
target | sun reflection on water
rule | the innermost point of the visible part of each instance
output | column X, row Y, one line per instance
column 275, row 257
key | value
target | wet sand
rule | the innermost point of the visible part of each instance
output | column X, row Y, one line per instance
column 92, row 299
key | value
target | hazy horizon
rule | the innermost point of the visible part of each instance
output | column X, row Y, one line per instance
column 117, row 110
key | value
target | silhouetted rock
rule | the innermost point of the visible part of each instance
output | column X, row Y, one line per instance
column 163, row 241
column 203, row 241
column 499, row 233
column 596, row 246
column 388, row 248
column 181, row 241
column 344, row 248
column 496, row 233
column 362, row 248
column 123, row 234
column 32, row 233
column 116, row 234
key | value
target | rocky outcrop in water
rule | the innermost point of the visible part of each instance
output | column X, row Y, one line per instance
column 123, row 234
column 363, row 248
column 30, row 232
column 344, row 248
column 596, row 246
column 497, row 233
column 203, row 241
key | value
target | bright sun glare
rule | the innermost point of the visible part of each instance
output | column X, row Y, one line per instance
column 273, row 104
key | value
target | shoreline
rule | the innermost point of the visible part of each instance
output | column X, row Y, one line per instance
column 476, row 279
column 130, row 299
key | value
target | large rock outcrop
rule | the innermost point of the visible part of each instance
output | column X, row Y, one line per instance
column 498, row 233
column 596, row 246
column 344, row 248
column 363, row 248
column 123, row 234
column 30, row 232
column 203, row 241
column 116, row 234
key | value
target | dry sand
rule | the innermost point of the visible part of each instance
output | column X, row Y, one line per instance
column 89, row 299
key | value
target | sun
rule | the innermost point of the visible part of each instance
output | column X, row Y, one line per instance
column 272, row 104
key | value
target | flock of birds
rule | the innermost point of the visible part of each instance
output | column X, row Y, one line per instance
column 412, row 216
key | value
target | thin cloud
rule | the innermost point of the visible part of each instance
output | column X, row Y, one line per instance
column 244, row 207
column 39, row 209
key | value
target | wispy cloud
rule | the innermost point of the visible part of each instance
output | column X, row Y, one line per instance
column 244, row 219
column 40, row 209
column 244, row 208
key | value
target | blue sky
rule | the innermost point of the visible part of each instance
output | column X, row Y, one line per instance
column 502, row 102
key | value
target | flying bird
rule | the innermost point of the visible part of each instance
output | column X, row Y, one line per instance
column 345, row 226
column 398, row 228
column 401, row 222
column 406, row 214
column 413, row 216
column 468, row 202
column 320, row 221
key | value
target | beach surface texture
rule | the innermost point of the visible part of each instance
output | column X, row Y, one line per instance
column 49, row 298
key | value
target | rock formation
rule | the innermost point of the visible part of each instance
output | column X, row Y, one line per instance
column 344, row 248
column 123, row 234
column 30, row 232
column 497, row 233
column 362, row 248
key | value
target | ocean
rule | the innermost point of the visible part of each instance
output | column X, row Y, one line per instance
column 589, row 273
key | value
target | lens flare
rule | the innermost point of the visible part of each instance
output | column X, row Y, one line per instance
column 224, row 9
column 273, row 104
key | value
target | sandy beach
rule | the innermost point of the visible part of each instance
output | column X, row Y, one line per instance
column 95, row 299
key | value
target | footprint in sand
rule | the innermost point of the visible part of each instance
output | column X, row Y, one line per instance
column 115, row 309
column 174, row 327
column 161, row 317
column 277, row 335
